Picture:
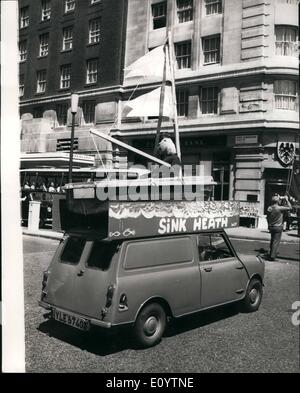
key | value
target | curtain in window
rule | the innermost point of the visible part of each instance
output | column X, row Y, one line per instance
column 286, row 41
column 285, row 94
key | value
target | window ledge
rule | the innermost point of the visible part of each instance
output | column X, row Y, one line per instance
column 66, row 50
column 64, row 88
column 96, row 3
column 208, row 64
column 90, row 84
column 183, row 23
column 42, row 57
column 71, row 12
column 93, row 44
column 209, row 15
column 40, row 93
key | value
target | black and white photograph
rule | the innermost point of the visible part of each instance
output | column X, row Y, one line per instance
column 150, row 189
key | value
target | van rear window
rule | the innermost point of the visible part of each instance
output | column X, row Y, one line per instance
column 73, row 250
column 101, row 255
column 159, row 252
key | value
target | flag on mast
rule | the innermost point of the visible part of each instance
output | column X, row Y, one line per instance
column 148, row 104
column 150, row 65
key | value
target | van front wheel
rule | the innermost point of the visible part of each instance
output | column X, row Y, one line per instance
column 253, row 297
column 150, row 325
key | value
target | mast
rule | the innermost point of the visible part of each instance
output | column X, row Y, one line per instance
column 169, row 53
column 172, row 69
column 161, row 103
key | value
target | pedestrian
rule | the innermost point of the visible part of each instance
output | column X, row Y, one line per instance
column 275, row 224
column 287, row 213
column 298, row 218
column 51, row 188
column 26, row 185
column 43, row 187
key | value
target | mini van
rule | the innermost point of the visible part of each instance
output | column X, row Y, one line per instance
column 144, row 282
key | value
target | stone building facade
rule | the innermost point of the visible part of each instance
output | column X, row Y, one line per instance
column 69, row 46
column 236, row 82
column 237, row 90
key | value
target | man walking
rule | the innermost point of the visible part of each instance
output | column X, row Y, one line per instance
column 275, row 223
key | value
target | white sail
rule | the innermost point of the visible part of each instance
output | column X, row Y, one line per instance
column 148, row 104
column 150, row 65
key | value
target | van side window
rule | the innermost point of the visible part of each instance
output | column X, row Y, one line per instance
column 101, row 254
column 156, row 252
column 213, row 247
column 73, row 250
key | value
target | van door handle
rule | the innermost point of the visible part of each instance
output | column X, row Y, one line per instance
column 81, row 272
column 240, row 267
column 208, row 269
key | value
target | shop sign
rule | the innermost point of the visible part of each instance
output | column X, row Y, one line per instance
column 286, row 152
column 137, row 219
column 246, row 139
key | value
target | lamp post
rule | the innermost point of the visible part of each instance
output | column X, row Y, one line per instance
column 74, row 108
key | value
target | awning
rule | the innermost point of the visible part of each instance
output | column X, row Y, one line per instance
column 54, row 159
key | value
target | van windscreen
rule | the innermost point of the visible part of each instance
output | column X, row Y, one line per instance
column 101, row 254
column 72, row 250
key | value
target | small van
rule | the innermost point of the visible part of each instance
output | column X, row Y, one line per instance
column 145, row 281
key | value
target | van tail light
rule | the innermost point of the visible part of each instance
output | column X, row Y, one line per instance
column 109, row 295
column 45, row 278
column 44, row 283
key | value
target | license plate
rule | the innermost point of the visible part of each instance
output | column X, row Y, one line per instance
column 71, row 320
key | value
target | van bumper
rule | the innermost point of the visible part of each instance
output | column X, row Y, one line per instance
column 93, row 321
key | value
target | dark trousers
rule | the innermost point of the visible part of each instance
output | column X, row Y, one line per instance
column 276, row 233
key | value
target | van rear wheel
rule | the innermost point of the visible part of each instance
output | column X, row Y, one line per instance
column 150, row 325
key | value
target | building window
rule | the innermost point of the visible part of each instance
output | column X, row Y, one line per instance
column 184, row 10
column 159, row 15
column 88, row 109
column 286, row 41
column 213, row 7
column 23, row 50
column 44, row 44
column 41, row 81
column 69, row 5
column 21, row 85
column 221, row 175
column 288, row 1
column 62, row 114
column 94, row 31
column 38, row 112
column 24, row 17
column 209, row 100
column 183, row 51
column 285, row 95
column 65, row 76
column 92, row 71
column 46, row 10
column 67, row 38
column 211, row 49
column 182, row 98
column 65, row 144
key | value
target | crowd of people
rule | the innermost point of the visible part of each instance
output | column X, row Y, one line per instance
column 32, row 186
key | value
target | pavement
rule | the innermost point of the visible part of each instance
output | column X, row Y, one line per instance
column 242, row 233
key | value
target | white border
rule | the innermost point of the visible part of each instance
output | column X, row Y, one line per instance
column 13, row 331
